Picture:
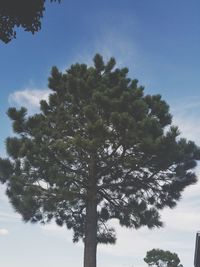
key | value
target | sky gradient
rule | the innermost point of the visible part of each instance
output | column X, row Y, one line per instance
column 158, row 41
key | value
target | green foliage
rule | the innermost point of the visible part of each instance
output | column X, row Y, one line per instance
column 162, row 258
column 16, row 13
column 98, row 137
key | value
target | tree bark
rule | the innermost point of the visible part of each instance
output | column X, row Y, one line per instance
column 90, row 242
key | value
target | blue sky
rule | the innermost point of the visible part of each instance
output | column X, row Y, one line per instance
column 158, row 41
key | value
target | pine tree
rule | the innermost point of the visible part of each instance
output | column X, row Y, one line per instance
column 16, row 13
column 162, row 258
column 100, row 149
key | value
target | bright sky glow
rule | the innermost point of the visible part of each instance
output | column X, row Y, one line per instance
column 158, row 41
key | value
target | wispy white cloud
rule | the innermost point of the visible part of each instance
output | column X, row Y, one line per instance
column 29, row 98
column 111, row 41
column 121, row 47
column 3, row 231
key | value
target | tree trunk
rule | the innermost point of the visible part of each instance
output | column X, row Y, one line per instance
column 90, row 242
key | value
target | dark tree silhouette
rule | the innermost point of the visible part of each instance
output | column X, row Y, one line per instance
column 162, row 258
column 99, row 149
column 16, row 13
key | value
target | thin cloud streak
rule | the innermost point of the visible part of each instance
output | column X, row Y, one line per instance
column 111, row 42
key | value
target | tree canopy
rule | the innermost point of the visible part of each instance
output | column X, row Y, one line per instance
column 99, row 149
column 162, row 258
column 24, row 13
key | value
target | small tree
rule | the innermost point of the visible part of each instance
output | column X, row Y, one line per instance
column 162, row 258
column 16, row 13
column 98, row 150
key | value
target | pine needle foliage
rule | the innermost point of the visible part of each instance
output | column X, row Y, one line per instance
column 162, row 258
column 98, row 139
column 20, row 13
